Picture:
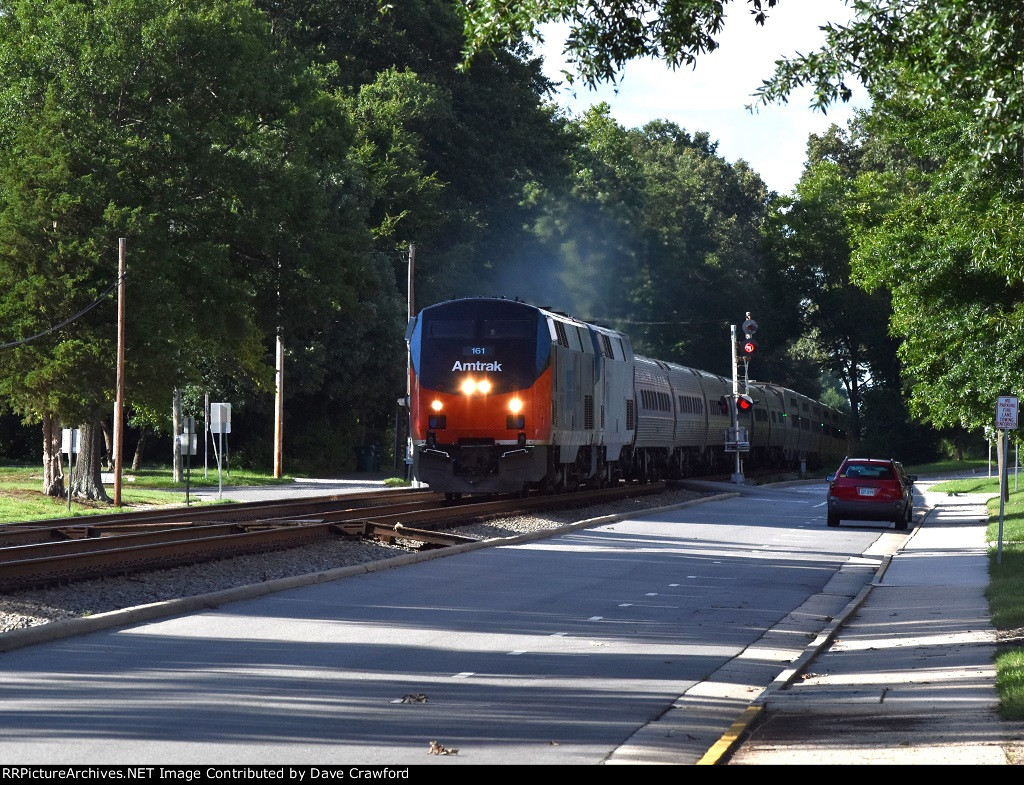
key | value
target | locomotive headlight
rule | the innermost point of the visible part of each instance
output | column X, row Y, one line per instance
column 436, row 405
column 470, row 386
column 515, row 406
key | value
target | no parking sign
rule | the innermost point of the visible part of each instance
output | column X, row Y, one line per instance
column 1006, row 413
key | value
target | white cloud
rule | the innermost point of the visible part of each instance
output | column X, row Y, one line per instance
column 712, row 97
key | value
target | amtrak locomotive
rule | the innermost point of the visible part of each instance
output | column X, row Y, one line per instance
column 506, row 397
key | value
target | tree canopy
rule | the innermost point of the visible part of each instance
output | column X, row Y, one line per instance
column 273, row 162
column 604, row 36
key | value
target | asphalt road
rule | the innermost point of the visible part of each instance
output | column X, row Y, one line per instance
column 633, row 641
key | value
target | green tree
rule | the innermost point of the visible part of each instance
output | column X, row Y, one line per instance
column 845, row 327
column 588, row 228
column 604, row 35
column 446, row 161
column 939, row 55
column 471, row 147
column 198, row 134
column 949, row 250
column 702, row 252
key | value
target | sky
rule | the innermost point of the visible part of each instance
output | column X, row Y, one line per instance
column 712, row 97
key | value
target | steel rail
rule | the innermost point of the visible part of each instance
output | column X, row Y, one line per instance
column 225, row 511
column 81, row 557
column 60, row 529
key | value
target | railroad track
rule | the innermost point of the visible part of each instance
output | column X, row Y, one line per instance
column 68, row 550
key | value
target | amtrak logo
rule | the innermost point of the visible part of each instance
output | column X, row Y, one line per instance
column 477, row 366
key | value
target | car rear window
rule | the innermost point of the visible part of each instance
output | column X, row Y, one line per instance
column 868, row 472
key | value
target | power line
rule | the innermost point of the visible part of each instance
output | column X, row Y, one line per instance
column 106, row 293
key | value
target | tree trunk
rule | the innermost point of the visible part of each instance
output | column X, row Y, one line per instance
column 53, row 469
column 137, row 459
column 176, row 428
column 108, row 447
column 86, row 479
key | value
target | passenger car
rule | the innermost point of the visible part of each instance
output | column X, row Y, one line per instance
column 871, row 489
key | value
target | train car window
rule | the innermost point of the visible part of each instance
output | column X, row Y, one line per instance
column 806, row 406
column 509, row 328
column 451, row 328
column 792, row 402
column 606, row 346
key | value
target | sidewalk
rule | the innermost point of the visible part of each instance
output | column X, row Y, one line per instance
column 907, row 674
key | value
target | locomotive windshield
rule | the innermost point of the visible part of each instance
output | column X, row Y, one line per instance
column 507, row 341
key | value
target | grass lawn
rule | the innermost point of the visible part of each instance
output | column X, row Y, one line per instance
column 21, row 497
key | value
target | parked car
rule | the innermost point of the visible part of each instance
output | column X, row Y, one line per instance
column 871, row 489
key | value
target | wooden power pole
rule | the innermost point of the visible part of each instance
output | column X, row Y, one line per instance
column 119, row 401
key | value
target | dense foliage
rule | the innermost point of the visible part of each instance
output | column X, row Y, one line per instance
column 277, row 165
column 930, row 206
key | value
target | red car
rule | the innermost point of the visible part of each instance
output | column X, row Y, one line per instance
column 871, row 489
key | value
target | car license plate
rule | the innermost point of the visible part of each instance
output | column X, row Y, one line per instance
column 866, row 491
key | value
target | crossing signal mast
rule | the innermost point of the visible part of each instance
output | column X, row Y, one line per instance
column 737, row 439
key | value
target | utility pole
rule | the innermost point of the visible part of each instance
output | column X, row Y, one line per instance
column 119, row 400
column 408, row 370
column 279, row 387
column 279, row 409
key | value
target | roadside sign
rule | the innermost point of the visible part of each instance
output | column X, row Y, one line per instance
column 1006, row 413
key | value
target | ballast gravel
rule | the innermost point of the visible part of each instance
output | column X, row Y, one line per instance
column 34, row 607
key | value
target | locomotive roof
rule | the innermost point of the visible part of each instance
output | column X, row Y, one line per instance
column 547, row 310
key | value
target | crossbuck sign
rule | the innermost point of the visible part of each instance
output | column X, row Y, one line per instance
column 1006, row 413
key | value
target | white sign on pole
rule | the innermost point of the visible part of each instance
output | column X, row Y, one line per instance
column 69, row 440
column 187, row 443
column 1006, row 413
column 220, row 417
